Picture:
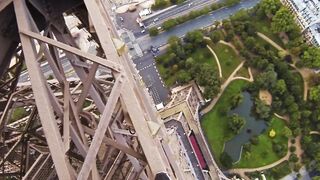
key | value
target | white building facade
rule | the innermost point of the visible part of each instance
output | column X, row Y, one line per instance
column 307, row 13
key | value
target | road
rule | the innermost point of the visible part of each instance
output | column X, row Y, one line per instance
column 46, row 69
column 129, row 18
column 183, row 8
column 198, row 23
column 147, row 69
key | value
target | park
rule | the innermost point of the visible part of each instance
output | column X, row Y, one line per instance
column 254, row 51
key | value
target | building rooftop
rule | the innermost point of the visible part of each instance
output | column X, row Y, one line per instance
column 182, row 93
column 308, row 14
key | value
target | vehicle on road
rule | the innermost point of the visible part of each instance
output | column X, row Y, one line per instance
column 143, row 31
column 155, row 19
column 141, row 24
column 154, row 49
column 145, row 12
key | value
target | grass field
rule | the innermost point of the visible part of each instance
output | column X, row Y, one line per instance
column 243, row 72
column 214, row 123
column 229, row 60
column 262, row 154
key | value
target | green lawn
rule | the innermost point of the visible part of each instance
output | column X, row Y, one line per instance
column 243, row 72
column 214, row 123
column 262, row 154
column 229, row 60
column 203, row 55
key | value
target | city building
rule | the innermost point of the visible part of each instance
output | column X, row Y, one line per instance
column 307, row 13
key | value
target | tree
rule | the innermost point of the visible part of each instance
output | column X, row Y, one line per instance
column 169, row 24
column 226, row 160
column 183, row 76
column 293, row 158
column 215, row 36
column 287, row 132
column 270, row 7
column 236, row 100
column 315, row 94
column 235, row 123
column 195, row 38
column 279, row 149
column 311, row 57
column 159, row 4
column 316, row 178
column 263, row 111
column 281, row 87
column 282, row 21
column 153, row 31
column 254, row 140
column 206, row 76
column 247, row 147
column 190, row 62
column 241, row 15
column 250, row 42
column 267, row 80
column 231, row 2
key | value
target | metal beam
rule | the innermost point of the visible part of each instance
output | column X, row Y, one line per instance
column 101, row 129
column 86, row 86
column 115, row 144
column 4, row 4
column 104, row 62
column 47, row 117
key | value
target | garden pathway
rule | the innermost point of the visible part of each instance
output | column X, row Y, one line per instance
column 299, row 151
column 217, row 60
column 314, row 132
column 285, row 117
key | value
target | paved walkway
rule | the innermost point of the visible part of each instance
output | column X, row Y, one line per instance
column 285, row 117
column 314, row 132
column 217, row 60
